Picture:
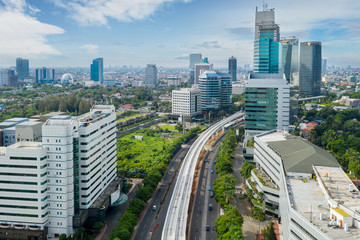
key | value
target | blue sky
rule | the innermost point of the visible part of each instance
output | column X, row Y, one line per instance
column 61, row 33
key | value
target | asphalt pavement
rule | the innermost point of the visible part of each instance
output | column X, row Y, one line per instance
column 152, row 221
column 201, row 215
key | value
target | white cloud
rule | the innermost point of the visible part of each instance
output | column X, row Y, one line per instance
column 91, row 48
column 22, row 34
column 97, row 12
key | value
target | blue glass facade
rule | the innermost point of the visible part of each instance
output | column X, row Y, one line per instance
column 266, row 53
column 97, row 72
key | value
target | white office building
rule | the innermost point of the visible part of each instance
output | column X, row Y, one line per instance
column 150, row 75
column 97, row 145
column 186, row 102
column 59, row 133
column 267, row 103
column 316, row 199
column 23, row 191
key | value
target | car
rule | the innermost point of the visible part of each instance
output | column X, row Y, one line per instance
column 209, row 188
column 154, row 208
column 210, row 207
column 207, row 228
column 211, row 194
column 212, row 171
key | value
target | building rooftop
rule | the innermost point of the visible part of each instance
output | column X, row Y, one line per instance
column 26, row 145
column 16, row 120
column 29, row 123
column 58, row 120
column 209, row 73
column 52, row 114
column 308, row 199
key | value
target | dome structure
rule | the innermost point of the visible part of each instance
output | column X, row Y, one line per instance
column 67, row 78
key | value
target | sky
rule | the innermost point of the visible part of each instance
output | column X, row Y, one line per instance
column 70, row 33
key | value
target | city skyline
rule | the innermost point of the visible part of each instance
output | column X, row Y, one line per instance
column 61, row 33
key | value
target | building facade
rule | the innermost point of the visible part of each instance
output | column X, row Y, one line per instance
column 310, row 68
column 24, row 205
column 150, row 75
column 267, row 103
column 186, row 102
column 45, row 75
column 266, row 44
column 226, row 89
column 199, row 69
column 22, row 68
column 233, row 68
column 290, row 68
column 97, row 70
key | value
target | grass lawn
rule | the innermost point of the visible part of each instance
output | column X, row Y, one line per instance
column 168, row 127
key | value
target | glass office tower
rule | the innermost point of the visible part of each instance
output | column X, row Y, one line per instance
column 232, row 68
column 266, row 44
column 97, row 70
column 310, row 68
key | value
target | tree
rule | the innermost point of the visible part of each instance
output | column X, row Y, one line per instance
column 179, row 127
column 144, row 193
column 62, row 237
column 246, row 169
column 269, row 232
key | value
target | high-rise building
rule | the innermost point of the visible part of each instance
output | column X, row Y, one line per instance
column 97, row 70
column 267, row 98
column 232, row 68
column 324, row 65
column 215, row 89
column 62, row 177
column 8, row 78
column 266, row 44
column 150, row 75
column 22, row 68
column 186, row 102
column 310, row 68
column 226, row 89
column 199, row 69
column 45, row 75
column 24, row 195
column 194, row 59
column 290, row 68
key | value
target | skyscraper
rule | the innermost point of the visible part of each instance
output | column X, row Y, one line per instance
column 310, row 68
column 266, row 44
column 199, row 68
column 195, row 58
column 8, row 78
column 324, row 65
column 97, row 70
column 45, row 75
column 22, row 68
column 232, row 68
column 290, row 68
column 150, row 75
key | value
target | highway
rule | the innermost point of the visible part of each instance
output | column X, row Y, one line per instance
column 201, row 216
column 151, row 218
column 177, row 213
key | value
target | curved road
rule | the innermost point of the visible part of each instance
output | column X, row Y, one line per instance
column 177, row 214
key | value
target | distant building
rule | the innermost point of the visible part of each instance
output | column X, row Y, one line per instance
column 22, row 68
column 310, row 68
column 266, row 44
column 232, row 68
column 45, row 75
column 199, row 69
column 215, row 89
column 8, row 78
column 195, row 58
column 186, row 102
column 173, row 81
column 267, row 98
column 324, row 65
column 150, row 75
column 97, row 70
column 67, row 78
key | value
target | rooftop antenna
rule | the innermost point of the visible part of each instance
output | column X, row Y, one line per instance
column 265, row 5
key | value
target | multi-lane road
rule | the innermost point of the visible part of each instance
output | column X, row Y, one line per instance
column 177, row 212
column 201, row 215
